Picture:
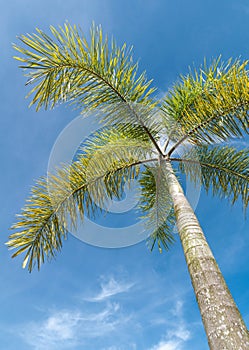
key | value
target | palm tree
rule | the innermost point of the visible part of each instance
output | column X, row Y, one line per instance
column 204, row 109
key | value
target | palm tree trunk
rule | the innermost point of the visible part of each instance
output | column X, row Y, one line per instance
column 222, row 320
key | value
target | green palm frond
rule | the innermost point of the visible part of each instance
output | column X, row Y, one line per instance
column 57, row 201
column 109, row 150
column 66, row 66
column 112, row 134
column 224, row 170
column 210, row 105
column 157, row 208
column 95, row 74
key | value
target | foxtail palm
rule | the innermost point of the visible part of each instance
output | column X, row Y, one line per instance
column 204, row 109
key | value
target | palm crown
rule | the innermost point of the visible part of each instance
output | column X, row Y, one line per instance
column 203, row 108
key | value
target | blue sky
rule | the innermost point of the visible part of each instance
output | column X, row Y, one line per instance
column 112, row 299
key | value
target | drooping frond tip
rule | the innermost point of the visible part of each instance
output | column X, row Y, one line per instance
column 107, row 161
column 157, row 207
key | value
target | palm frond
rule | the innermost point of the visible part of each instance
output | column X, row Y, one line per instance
column 82, row 188
column 210, row 105
column 110, row 135
column 112, row 149
column 66, row 66
column 224, row 170
column 157, row 208
column 95, row 74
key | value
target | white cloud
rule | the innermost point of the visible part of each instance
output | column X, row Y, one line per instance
column 64, row 329
column 110, row 288
column 167, row 345
column 178, row 332
column 62, row 324
column 58, row 329
column 177, row 310
column 109, row 325
column 174, row 339
column 129, row 346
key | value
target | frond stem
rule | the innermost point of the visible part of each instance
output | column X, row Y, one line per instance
column 166, row 144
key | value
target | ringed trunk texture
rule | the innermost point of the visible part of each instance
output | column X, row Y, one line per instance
column 224, row 326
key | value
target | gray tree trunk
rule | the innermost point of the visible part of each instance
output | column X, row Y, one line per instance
column 222, row 320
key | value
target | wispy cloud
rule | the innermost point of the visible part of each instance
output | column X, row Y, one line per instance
column 67, row 328
column 64, row 329
column 110, row 323
column 167, row 345
column 129, row 346
column 59, row 329
column 109, row 288
column 174, row 340
column 178, row 332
